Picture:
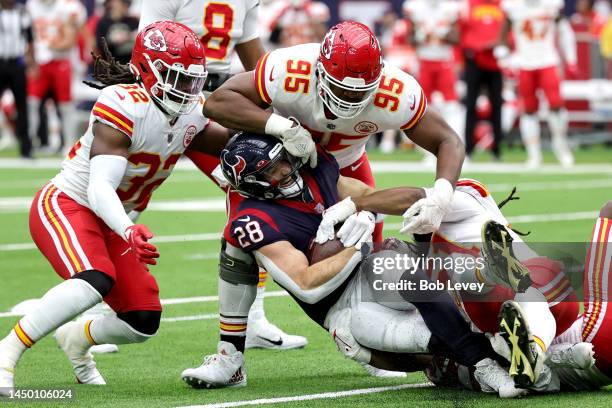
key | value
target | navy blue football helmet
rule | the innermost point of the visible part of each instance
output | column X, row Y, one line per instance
column 258, row 166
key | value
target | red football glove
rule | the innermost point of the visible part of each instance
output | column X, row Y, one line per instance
column 137, row 236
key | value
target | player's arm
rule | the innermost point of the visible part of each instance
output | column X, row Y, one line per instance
column 249, row 53
column 433, row 134
column 310, row 283
column 393, row 201
column 211, row 140
column 567, row 42
column 237, row 105
column 107, row 166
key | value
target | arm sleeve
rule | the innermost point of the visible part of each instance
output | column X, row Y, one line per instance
column 155, row 10
column 249, row 28
column 251, row 229
column 115, row 108
column 105, row 175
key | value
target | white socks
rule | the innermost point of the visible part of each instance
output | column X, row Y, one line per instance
column 109, row 329
column 257, row 309
column 530, row 133
column 539, row 318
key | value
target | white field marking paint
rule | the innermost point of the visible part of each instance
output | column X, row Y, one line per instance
column 166, row 302
column 217, row 204
column 573, row 216
column 377, row 166
column 310, row 397
column 209, row 316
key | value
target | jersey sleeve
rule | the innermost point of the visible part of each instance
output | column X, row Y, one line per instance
column 265, row 82
column 252, row 229
column 412, row 101
column 155, row 10
column 76, row 13
column 115, row 109
column 249, row 27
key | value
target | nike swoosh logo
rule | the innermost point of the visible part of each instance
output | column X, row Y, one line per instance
column 271, row 72
column 278, row 342
column 245, row 219
column 413, row 104
column 122, row 97
column 355, row 167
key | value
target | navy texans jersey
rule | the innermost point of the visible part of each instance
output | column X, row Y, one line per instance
column 258, row 223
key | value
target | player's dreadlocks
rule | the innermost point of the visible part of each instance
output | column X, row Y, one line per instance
column 108, row 70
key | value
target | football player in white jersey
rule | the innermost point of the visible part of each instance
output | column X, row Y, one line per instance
column 536, row 24
column 224, row 27
column 141, row 124
column 435, row 31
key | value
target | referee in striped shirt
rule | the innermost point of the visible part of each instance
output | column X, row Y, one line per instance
column 16, row 52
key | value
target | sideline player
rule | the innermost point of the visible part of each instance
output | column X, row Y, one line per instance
column 276, row 224
column 535, row 26
column 141, row 124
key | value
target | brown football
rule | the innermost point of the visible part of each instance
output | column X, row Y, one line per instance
column 319, row 252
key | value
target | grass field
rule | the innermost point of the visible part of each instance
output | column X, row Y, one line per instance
column 555, row 205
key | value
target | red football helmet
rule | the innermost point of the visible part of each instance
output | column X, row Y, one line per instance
column 349, row 68
column 169, row 60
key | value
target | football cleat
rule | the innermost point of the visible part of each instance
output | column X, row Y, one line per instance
column 69, row 338
column 499, row 256
column 579, row 355
column 526, row 358
column 104, row 349
column 493, row 378
column 224, row 369
column 263, row 334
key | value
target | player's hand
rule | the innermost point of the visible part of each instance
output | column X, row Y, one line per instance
column 138, row 236
column 332, row 216
column 501, row 52
column 426, row 215
column 299, row 143
column 357, row 229
column 571, row 71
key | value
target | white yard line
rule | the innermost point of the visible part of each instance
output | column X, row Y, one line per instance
column 176, row 301
column 310, row 397
column 213, row 236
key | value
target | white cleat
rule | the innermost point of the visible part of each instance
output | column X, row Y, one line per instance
column 7, row 385
column 493, row 378
column 68, row 338
column 533, row 163
column 263, row 334
column 579, row 356
column 224, row 369
column 380, row 373
column 104, row 349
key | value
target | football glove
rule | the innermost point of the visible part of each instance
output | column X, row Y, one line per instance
column 333, row 215
column 357, row 229
column 426, row 215
column 137, row 236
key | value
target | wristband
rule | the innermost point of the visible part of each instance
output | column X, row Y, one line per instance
column 277, row 124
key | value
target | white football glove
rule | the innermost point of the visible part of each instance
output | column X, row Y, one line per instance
column 346, row 343
column 357, row 229
column 426, row 215
column 295, row 138
column 332, row 216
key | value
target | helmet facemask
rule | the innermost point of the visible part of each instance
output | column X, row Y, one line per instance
column 283, row 176
column 342, row 108
column 177, row 89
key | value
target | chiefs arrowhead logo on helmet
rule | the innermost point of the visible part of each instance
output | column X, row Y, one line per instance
column 238, row 167
column 154, row 40
column 327, row 45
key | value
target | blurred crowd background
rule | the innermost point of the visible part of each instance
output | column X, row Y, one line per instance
column 39, row 115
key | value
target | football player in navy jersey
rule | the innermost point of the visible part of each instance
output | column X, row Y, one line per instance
column 275, row 225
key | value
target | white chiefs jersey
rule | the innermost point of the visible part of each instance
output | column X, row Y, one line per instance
column 220, row 25
column 433, row 20
column 535, row 30
column 286, row 79
column 48, row 21
column 156, row 145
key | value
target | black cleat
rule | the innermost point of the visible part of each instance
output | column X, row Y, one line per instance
column 500, row 258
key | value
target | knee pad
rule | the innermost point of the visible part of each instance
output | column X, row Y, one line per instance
column 98, row 280
column 145, row 323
